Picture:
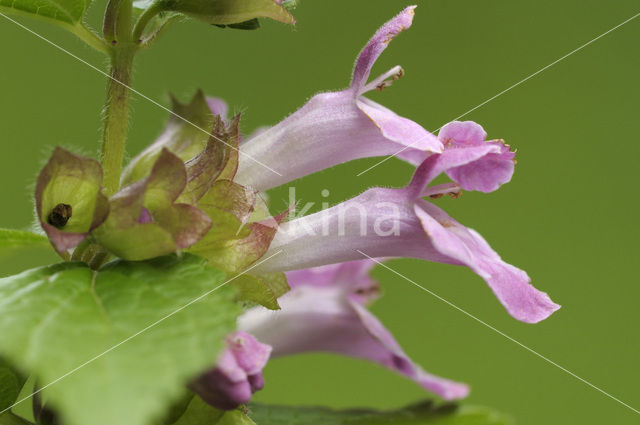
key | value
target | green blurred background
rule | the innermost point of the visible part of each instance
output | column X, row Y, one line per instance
column 569, row 217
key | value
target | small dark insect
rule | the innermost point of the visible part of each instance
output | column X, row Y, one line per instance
column 59, row 216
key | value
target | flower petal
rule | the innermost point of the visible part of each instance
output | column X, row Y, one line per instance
column 237, row 375
column 333, row 128
column 510, row 284
column 351, row 276
column 392, row 222
column 462, row 132
column 376, row 46
column 323, row 318
column 489, row 173
column 403, row 131
column 437, row 164
column 380, row 222
column 329, row 130
column 486, row 174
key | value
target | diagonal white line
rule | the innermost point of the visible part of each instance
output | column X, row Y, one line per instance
column 95, row 68
column 500, row 332
column 506, row 90
column 195, row 300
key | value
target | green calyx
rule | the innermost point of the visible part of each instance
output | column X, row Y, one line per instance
column 145, row 221
column 69, row 199
column 177, row 195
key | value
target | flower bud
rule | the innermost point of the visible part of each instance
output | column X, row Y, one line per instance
column 237, row 375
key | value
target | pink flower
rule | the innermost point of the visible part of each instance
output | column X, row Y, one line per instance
column 237, row 375
column 385, row 222
column 326, row 311
column 336, row 127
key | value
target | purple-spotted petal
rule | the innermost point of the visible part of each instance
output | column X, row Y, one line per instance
column 324, row 318
column 510, row 284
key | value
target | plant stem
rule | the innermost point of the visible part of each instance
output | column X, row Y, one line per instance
column 117, row 30
column 116, row 115
column 144, row 19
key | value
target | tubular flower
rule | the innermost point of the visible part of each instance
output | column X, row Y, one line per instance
column 237, row 375
column 385, row 222
column 336, row 127
column 326, row 311
column 198, row 188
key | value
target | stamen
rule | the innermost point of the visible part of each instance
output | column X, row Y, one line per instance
column 385, row 80
column 451, row 189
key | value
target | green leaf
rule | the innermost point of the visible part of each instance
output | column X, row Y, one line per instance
column 228, row 12
column 11, row 419
column 55, row 319
column 16, row 239
column 263, row 289
column 11, row 383
column 68, row 11
column 252, row 24
column 427, row 413
column 200, row 413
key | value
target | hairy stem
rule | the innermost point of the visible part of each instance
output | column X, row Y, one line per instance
column 116, row 115
column 144, row 20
